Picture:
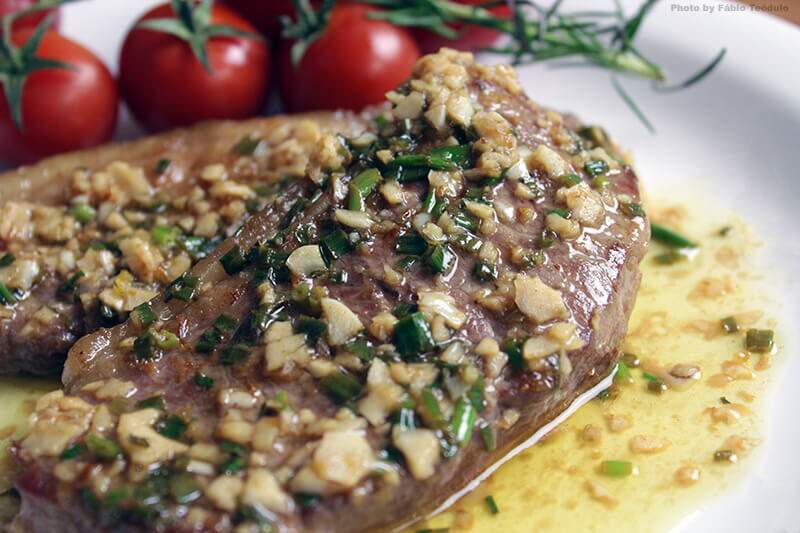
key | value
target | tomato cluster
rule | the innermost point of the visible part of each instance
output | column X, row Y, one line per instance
column 209, row 61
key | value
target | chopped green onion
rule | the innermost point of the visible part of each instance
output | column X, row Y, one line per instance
column 313, row 328
column 361, row 187
column 760, row 340
column 234, row 354
column 203, row 381
column 616, row 468
column 208, row 341
column 183, row 288
column 403, row 309
column 334, row 245
column 600, row 182
column 144, row 347
column 198, row 247
column 82, row 213
column 491, row 504
column 649, row 377
column 410, row 244
column 595, row 167
column 6, row 296
column 233, row 464
column 475, row 394
column 106, row 245
column 570, row 179
column 429, row 202
column 305, row 500
column 729, row 324
column 468, row 242
column 72, row 452
column 165, row 236
column 184, row 488
column 633, row 209
column 155, row 402
column 460, row 155
column 669, row 237
column 412, row 335
column 6, row 260
column 670, row 257
column 440, row 258
column 485, row 271
column 623, row 372
column 341, row 386
column 172, row 427
column 162, row 165
column 233, row 261
column 489, row 438
column 462, row 421
column 102, row 448
column 465, row 220
column 225, row 323
column 563, row 213
column 405, row 418
column 167, row 340
column 247, row 145
column 431, row 411
column 513, row 348
column 144, row 315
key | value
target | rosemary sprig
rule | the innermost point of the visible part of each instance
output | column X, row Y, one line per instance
column 605, row 39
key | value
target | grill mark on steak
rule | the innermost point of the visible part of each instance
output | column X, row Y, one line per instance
column 596, row 276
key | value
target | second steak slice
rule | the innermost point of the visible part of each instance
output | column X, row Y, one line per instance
column 433, row 292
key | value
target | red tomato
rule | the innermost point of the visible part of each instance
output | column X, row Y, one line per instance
column 62, row 109
column 12, row 6
column 165, row 85
column 470, row 37
column 352, row 65
column 266, row 16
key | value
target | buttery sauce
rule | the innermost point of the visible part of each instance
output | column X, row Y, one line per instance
column 670, row 438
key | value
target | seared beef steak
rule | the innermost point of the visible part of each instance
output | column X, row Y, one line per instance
column 94, row 234
column 432, row 292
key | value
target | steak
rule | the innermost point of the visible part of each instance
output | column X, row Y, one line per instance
column 432, row 292
column 94, row 234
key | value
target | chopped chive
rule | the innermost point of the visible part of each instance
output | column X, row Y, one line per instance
column 171, row 427
column 616, row 468
column 431, row 411
column 144, row 315
column 203, row 381
column 649, row 377
column 429, row 202
column 405, row 418
column 513, row 348
column 462, row 421
column 440, row 258
column 144, row 347
column 460, row 155
column 361, row 187
column 208, row 341
column 489, row 438
column 183, row 288
column 72, row 452
column 82, row 213
column 7, row 259
column 403, row 309
column 407, row 262
column 232, row 465
column 162, row 165
column 595, row 167
column 165, row 236
column 410, row 244
column 412, row 335
column 759, row 340
column 476, row 394
column 491, row 504
column 225, row 323
column 246, row 146
column 233, row 261
column 198, row 247
column 729, row 324
column 465, row 220
column 341, row 386
column 334, row 245
column 156, row 402
column 6, row 296
column 669, row 237
column 102, row 448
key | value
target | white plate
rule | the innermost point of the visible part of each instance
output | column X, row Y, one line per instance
column 736, row 134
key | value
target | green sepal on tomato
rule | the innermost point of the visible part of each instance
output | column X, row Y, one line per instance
column 57, row 95
column 185, row 62
column 32, row 19
column 350, row 62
